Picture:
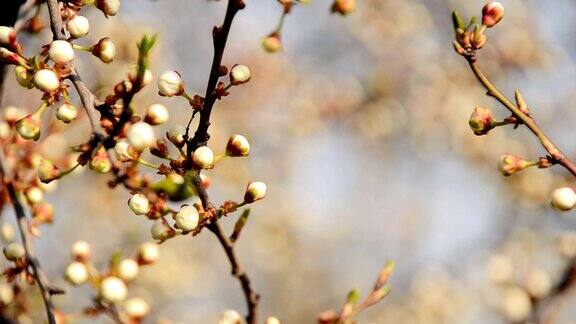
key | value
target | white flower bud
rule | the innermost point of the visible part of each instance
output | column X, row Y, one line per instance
column 140, row 135
column 238, row 145
column 14, row 251
column 46, row 80
column 61, row 52
column 239, row 74
column 161, row 231
column 516, row 304
column 81, row 251
column 108, row 7
column 538, row 283
column 139, row 204
column 76, row 273
column 128, row 269
column 125, row 152
column 187, row 218
column 29, row 128
column 170, row 84
column 78, row 26
column 47, row 171
column 7, row 35
column 176, row 134
column 272, row 320
column 23, row 77
column 113, row 289
column 105, row 50
column 272, row 43
column 255, row 191
column 7, row 232
column 66, row 113
column 203, row 157
column 563, row 199
column 133, row 75
column 229, row 316
column 6, row 294
column 148, row 253
column 156, row 114
column 34, row 195
column 136, row 308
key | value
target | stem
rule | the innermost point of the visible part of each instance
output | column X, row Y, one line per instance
column 148, row 164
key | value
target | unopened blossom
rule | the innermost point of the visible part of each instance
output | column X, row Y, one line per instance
column 105, row 50
column 140, row 136
column 170, row 84
column 14, row 251
column 238, row 145
column 61, row 52
column 76, row 273
column 203, row 157
column 156, row 114
column 128, row 269
column 187, row 218
column 492, row 13
column 136, row 308
column 148, row 253
column 139, row 204
column 78, row 26
column 563, row 198
column 255, row 191
column 66, row 112
column 113, row 289
column 46, row 80
column 239, row 74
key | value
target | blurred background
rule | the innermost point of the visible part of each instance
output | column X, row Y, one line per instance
column 359, row 128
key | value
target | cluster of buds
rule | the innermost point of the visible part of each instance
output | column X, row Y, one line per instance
column 471, row 36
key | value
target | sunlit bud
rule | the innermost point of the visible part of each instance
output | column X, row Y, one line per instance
column 76, row 273
column 567, row 244
column 156, row 114
column 14, row 251
column 239, row 74
column 229, row 317
column 161, row 231
column 563, row 199
column 47, row 171
column 148, row 253
column 344, row 7
column 272, row 43
column 139, row 204
column 61, row 52
column 187, row 218
column 29, row 127
column 66, row 113
column 481, row 121
column 516, row 304
column 105, row 50
column 125, row 152
column 272, row 320
column 538, row 283
column 170, row 84
column 7, row 232
column 7, row 35
column 500, row 269
column 176, row 135
column 510, row 164
column 203, row 157
column 100, row 162
column 140, row 135
column 78, row 26
column 81, row 251
column 133, row 75
column 255, row 191
column 6, row 294
column 238, row 145
column 34, row 195
column 113, row 289
column 23, row 77
column 128, row 269
column 108, row 7
column 46, row 80
column 136, row 308
column 492, row 13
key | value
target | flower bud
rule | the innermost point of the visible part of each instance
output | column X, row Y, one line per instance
column 128, row 269
column 229, row 317
column 516, row 304
column 272, row 43
column 9, row 57
column 100, row 162
column 239, row 74
column 6, row 294
column 481, row 121
column 47, row 171
column 7, row 35
column 46, row 80
column 76, row 273
column 563, row 199
column 108, row 7
column 170, row 84
column 203, row 157
column 156, row 114
column 492, row 13
column 510, row 164
column 133, row 75
column 29, row 127
column 161, row 231
column 14, row 251
column 7, row 232
column 140, row 135
column 148, row 253
column 136, row 308
column 113, row 289
column 254, row 192
column 105, row 50
column 81, row 251
column 538, row 283
column 23, row 77
column 34, row 195
column 187, row 218
column 78, row 26
column 139, row 204
column 238, row 146
column 176, row 135
column 343, row 7
column 124, row 151
column 61, row 52
column 66, row 113
column 272, row 320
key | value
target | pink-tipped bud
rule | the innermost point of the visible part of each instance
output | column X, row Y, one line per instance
column 9, row 57
column 156, row 114
column 29, row 127
column 255, row 191
column 105, row 50
column 344, row 7
column 78, row 26
column 272, row 43
column 492, row 13
column 66, row 113
column 563, row 199
column 108, row 7
column 510, row 164
column 170, row 84
column 481, row 121
column 239, row 74
column 61, row 52
column 238, row 145
column 203, row 158
column 46, row 80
